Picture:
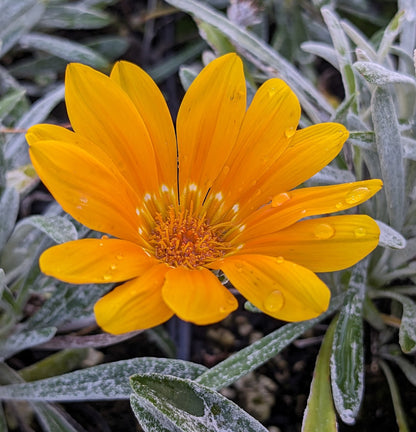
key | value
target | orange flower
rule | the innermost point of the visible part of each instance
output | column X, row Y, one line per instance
column 230, row 206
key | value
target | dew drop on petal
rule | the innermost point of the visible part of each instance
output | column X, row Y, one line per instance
column 289, row 132
column 119, row 257
column 107, row 277
column 104, row 237
column 226, row 170
column 324, row 231
column 356, row 195
column 339, row 205
column 113, row 266
column 360, row 232
column 280, row 260
column 274, row 301
column 280, row 199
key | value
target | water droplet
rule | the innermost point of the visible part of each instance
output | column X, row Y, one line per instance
column 104, row 237
column 113, row 266
column 239, row 267
column 356, row 195
column 236, row 207
column 271, row 91
column 83, row 200
column 253, row 183
column 339, row 205
column 360, row 232
column 119, row 257
column 101, row 244
column 289, row 132
column 258, row 192
column 280, row 260
column 226, row 170
column 280, row 199
column 107, row 277
column 274, row 301
column 324, row 231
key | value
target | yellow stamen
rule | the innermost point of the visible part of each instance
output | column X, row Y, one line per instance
column 181, row 239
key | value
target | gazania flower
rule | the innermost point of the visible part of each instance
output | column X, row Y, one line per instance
column 216, row 198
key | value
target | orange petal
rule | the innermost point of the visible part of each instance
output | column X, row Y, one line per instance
column 289, row 207
column 135, row 305
column 310, row 150
column 208, row 123
column 197, row 296
column 152, row 108
column 267, row 129
column 87, row 189
column 101, row 111
column 279, row 288
column 95, row 261
column 322, row 244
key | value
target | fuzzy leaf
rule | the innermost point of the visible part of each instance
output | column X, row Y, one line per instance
column 19, row 341
column 390, row 154
column 379, row 75
column 389, row 237
column 51, row 418
column 64, row 48
column 9, row 208
column 8, row 102
column 58, row 228
column 102, row 382
column 347, row 360
column 183, row 405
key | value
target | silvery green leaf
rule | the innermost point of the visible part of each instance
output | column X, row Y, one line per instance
column 23, row 179
column 347, row 359
column 322, row 50
column 403, row 256
column 8, row 102
column 395, row 395
column 77, row 16
column 342, row 50
column 380, row 75
column 359, row 39
column 408, row 368
column 9, row 208
column 407, row 332
column 409, row 148
column 102, row 382
column 319, row 414
column 17, row 18
column 183, row 405
column 253, row 356
column 389, row 237
column 23, row 340
column 364, row 140
column 51, row 419
column 389, row 35
column 314, row 104
column 187, row 74
column 58, row 228
column 390, row 154
column 63, row 48
column 16, row 153
column 331, row 175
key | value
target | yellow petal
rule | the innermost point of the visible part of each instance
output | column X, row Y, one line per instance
column 309, row 151
column 208, row 123
column 267, row 129
column 197, row 296
column 135, row 305
column 322, row 244
column 151, row 106
column 279, row 288
column 288, row 207
column 87, row 189
column 95, row 261
column 101, row 111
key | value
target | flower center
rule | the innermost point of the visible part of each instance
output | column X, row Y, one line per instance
column 180, row 239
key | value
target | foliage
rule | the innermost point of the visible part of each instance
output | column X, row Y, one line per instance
column 373, row 310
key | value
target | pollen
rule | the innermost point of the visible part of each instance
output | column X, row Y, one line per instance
column 181, row 239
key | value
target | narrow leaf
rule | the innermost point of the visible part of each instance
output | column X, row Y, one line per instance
column 253, row 356
column 64, row 48
column 389, row 35
column 102, row 382
column 23, row 340
column 407, row 332
column 389, row 237
column 379, row 75
column 347, row 360
column 9, row 208
column 188, row 406
column 52, row 419
column 8, row 102
column 320, row 414
column 58, row 228
column 390, row 153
